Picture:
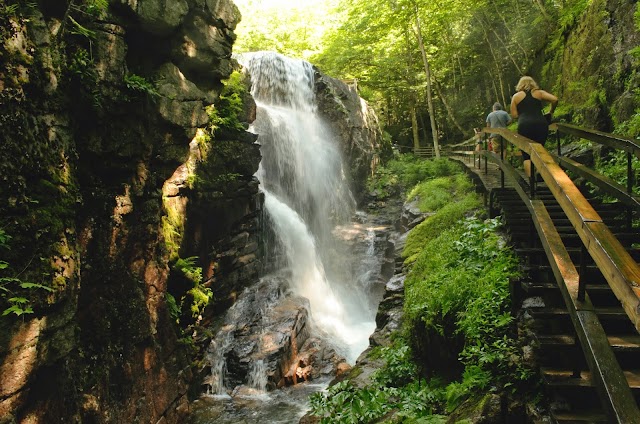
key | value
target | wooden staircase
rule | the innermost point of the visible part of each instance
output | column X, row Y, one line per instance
column 573, row 395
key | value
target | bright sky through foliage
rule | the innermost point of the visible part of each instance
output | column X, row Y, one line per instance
column 294, row 28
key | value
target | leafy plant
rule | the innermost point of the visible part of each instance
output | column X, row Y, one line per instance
column 83, row 72
column 140, row 84
column 405, row 171
column 200, row 295
column 227, row 110
column 188, row 268
column 614, row 166
column 13, row 290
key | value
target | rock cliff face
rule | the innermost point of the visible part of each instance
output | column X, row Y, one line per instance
column 356, row 125
column 98, row 107
column 105, row 191
column 594, row 67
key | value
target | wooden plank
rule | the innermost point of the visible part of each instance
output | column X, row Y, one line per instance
column 564, row 190
column 627, row 144
column 622, row 342
column 604, row 183
column 603, row 365
column 563, row 268
column 618, row 267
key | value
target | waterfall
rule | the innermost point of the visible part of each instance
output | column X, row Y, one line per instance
column 306, row 197
column 216, row 359
column 258, row 376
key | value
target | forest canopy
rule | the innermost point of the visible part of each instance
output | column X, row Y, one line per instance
column 464, row 54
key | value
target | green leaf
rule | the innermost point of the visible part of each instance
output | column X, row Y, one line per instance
column 27, row 285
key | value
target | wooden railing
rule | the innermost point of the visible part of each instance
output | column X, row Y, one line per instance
column 619, row 269
column 427, row 152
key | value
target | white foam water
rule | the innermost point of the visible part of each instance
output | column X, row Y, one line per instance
column 306, row 197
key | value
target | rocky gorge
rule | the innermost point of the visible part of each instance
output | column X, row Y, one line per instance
column 119, row 183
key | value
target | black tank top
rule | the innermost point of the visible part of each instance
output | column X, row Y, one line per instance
column 531, row 121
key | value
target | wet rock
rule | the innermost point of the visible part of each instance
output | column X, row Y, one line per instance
column 411, row 215
column 269, row 326
column 355, row 124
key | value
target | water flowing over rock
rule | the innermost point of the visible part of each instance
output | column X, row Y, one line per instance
column 312, row 315
column 306, row 196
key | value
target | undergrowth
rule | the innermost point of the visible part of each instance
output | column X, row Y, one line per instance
column 457, row 286
column 404, row 171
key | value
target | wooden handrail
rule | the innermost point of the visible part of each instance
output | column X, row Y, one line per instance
column 619, row 269
column 604, row 183
column 620, row 142
column 605, row 369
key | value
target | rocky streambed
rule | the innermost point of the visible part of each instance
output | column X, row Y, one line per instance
column 269, row 355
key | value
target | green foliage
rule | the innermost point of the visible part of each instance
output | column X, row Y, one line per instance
column 289, row 28
column 78, row 29
column 398, row 370
column 473, row 378
column 84, row 76
column 172, row 306
column 201, row 296
column 344, row 403
column 395, row 388
column 198, row 296
column 437, row 193
column 227, row 110
column 187, row 267
column 406, row 170
column 12, row 289
column 443, row 219
column 460, row 283
column 614, row 166
column 8, row 13
column 140, row 85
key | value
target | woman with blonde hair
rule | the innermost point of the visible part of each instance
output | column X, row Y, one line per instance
column 526, row 105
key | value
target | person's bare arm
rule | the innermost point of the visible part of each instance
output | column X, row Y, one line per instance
column 514, row 104
column 548, row 97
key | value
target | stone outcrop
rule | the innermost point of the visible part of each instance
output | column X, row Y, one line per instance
column 596, row 71
column 355, row 124
column 98, row 108
column 265, row 343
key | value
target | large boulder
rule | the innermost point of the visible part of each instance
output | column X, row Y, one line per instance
column 355, row 124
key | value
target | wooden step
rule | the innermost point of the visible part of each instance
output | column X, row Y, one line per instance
column 564, row 378
column 610, row 313
column 594, row 416
column 531, row 287
column 621, row 342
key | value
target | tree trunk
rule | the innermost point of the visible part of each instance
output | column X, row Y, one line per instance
column 414, row 127
column 448, row 108
column 427, row 70
column 540, row 5
column 506, row 49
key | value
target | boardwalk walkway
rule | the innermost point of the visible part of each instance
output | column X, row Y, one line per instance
column 487, row 174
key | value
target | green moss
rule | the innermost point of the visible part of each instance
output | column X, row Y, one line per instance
column 434, row 225
column 435, row 194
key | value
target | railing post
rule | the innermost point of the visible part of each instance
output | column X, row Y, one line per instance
column 582, row 273
column 630, row 184
column 532, row 180
column 486, row 153
column 502, row 155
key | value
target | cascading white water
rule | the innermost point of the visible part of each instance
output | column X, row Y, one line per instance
column 306, row 197
column 257, row 376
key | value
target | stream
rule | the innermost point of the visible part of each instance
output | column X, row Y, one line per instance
column 312, row 312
